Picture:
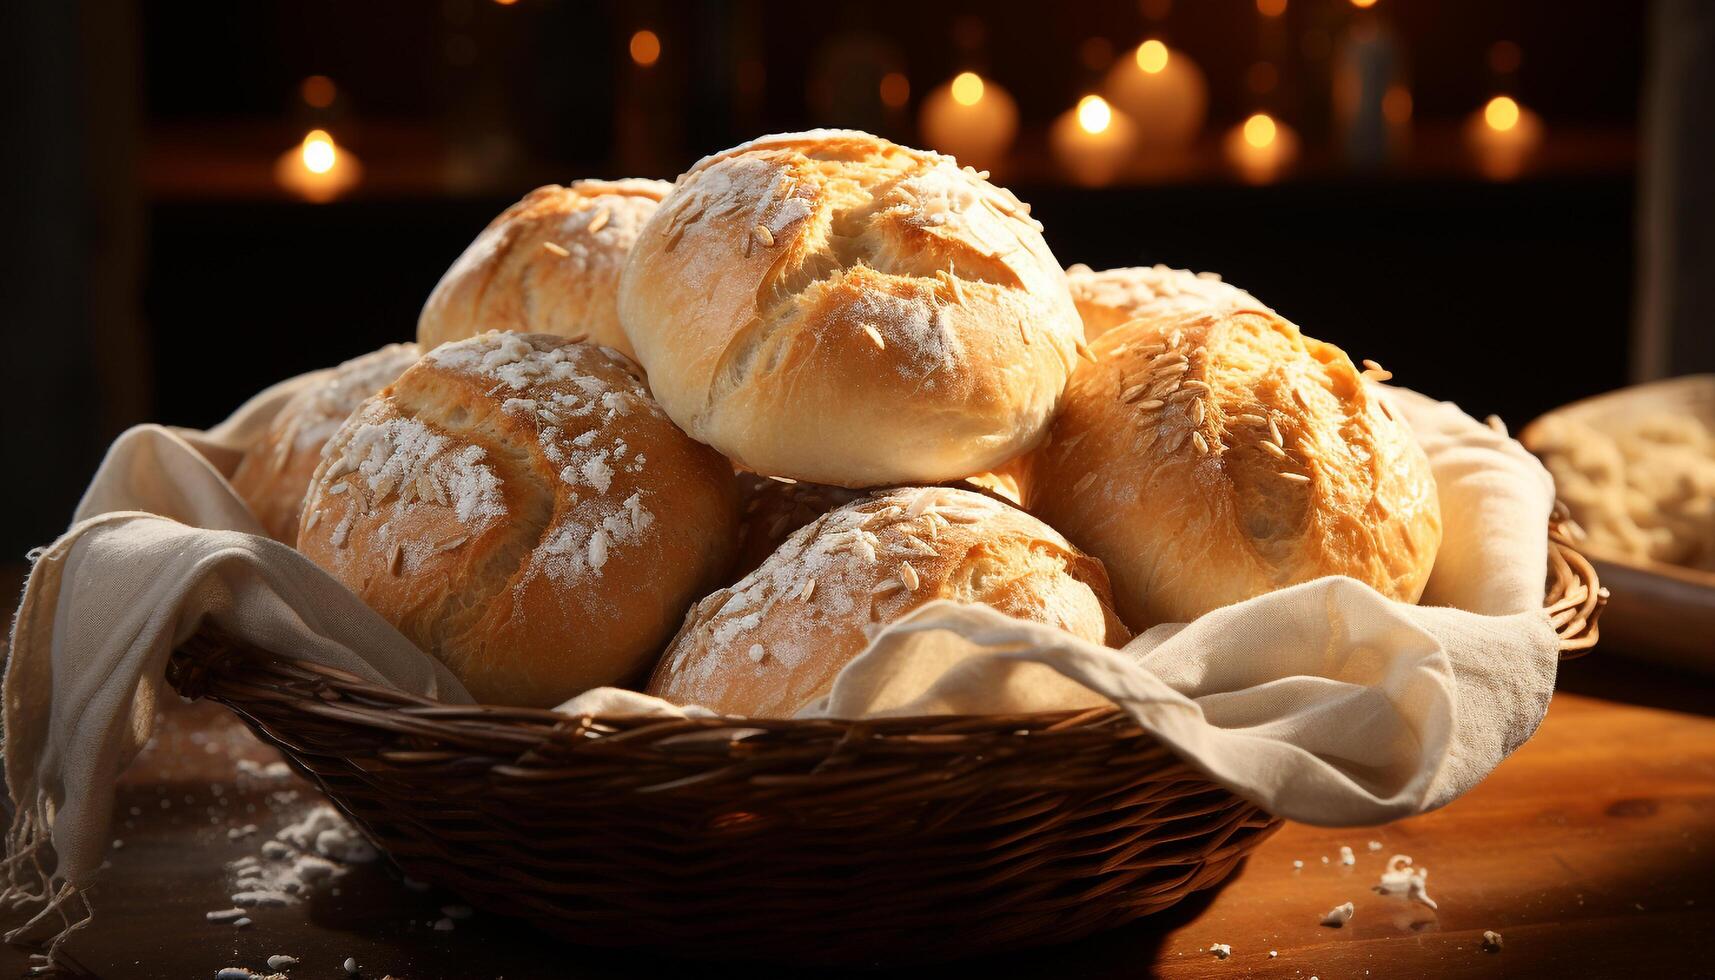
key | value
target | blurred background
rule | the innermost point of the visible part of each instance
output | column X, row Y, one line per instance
column 1508, row 204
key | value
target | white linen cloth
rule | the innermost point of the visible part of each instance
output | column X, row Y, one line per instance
column 1324, row 703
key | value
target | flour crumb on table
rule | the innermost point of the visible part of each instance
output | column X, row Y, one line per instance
column 1491, row 941
column 1221, row 950
column 1401, row 878
column 280, row 961
column 1346, row 855
column 350, row 965
column 1375, row 845
column 224, row 915
column 1339, row 915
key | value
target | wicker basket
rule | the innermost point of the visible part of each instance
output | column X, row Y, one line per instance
column 804, row 841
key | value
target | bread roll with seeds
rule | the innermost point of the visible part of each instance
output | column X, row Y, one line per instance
column 519, row 507
column 548, row 264
column 832, row 307
column 1211, row 458
column 772, row 643
column 275, row 473
column 1111, row 297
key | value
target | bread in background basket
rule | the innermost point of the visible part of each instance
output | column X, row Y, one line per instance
column 1636, row 469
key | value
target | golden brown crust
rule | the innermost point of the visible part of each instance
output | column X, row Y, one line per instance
column 1210, row 458
column 772, row 643
column 835, row 308
column 548, row 264
column 275, row 473
column 1111, row 297
column 519, row 507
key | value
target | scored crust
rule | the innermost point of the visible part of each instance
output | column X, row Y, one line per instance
column 519, row 506
column 1208, row 458
column 774, row 641
column 549, row 264
column 832, row 307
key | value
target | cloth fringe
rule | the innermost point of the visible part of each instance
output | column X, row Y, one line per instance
column 29, row 884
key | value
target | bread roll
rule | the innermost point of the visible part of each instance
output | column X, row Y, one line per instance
column 772, row 643
column 519, row 507
column 1111, row 297
column 548, row 264
column 275, row 472
column 831, row 307
column 1212, row 458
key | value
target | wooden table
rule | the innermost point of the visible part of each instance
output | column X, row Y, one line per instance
column 1591, row 851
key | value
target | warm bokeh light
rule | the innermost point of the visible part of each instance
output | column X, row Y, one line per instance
column 1501, row 113
column 317, row 91
column 972, row 118
column 1271, row 8
column 1503, row 137
column 895, row 90
column 967, row 88
column 1163, row 92
column 645, row 48
column 1261, row 148
column 1152, row 56
column 317, row 169
column 1093, row 142
column 505, row 3
column 1362, row 4
column 1396, row 105
column 1094, row 115
column 1260, row 130
column 318, row 152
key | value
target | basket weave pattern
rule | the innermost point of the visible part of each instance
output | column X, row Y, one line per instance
column 801, row 840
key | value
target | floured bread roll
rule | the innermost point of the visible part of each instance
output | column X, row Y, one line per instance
column 519, row 507
column 548, row 264
column 832, row 307
column 1109, row 298
column 275, row 473
column 1213, row 458
column 772, row 643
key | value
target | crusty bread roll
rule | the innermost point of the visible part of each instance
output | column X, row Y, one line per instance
column 519, row 507
column 275, row 472
column 831, row 307
column 772, row 643
column 1212, row 458
column 1111, row 297
column 548, row 264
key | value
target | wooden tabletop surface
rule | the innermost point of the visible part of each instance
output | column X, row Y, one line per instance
column 1591, row 851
